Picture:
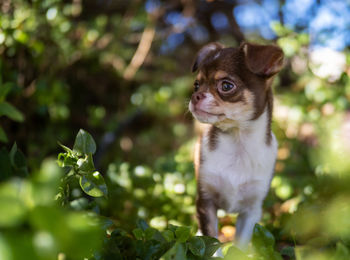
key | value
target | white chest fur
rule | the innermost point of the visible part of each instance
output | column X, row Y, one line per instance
column 239, row 170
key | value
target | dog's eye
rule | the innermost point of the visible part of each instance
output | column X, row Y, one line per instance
column 227, row 86
column 196, row 86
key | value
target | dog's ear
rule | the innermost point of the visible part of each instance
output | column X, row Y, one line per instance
column 204, row 52
column 263, row 60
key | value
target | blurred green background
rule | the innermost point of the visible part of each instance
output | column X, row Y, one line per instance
column 121, row 71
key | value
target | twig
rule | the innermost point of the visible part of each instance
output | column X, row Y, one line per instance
column 141, row 52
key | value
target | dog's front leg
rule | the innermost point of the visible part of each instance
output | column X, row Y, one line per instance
column 245, row 226
column 206, row 214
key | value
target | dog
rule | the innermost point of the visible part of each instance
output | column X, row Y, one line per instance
column 236, row 152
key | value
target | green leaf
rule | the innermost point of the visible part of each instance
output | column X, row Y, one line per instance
column 84, row 143
column 18, row 161
column 67, row 149
column 158, row 237
column 65, row 160
column 172, row 227
column 5, row 249
column 3, row 137
column 17, row 245
column 196, row 246
column 342, row 252
column 149, row 233
column 211, row 245
column 6, row 109
column 79, row 204
column 177, row 252
column 138, row 233
column 262, row 237
column 182, row 233
column 13, row 211
column 93, row 184
column 235, row 253
column 288, row 251
column 4, row 89
column 106, row 223
column 76, row 233
column 140, row 223
column 12, row 153
column 168, row 235
column 86, row 165
column 263, row 242
column 13, row 208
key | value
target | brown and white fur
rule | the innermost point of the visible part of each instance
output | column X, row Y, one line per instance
column 236, row 152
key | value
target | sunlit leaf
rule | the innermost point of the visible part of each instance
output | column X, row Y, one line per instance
column 235, row 253
column 93, row 184
column 84, row 143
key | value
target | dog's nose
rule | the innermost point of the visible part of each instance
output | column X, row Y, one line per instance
column 196, row 97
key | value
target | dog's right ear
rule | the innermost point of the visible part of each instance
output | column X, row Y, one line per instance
column 204, row 52
column 263, row 60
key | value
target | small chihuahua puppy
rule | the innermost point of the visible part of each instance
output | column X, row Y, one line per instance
column 236, row 152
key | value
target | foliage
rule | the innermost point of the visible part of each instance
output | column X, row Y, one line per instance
column 69, row 65
column 33, row 226
column 31, row 202
column 79, row 163
column 148, row 243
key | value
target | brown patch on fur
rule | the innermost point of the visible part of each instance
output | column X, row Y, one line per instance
column 213, row 137
column 269, row 116
column 206, row 211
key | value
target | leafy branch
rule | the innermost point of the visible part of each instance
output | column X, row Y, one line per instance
column 78, row 162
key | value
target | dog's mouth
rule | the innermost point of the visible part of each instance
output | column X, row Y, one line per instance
column 201, row 112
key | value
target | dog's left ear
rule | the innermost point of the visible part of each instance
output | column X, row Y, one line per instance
column 263, row 60
column 204, row 52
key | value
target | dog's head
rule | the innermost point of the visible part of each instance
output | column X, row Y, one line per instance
column 232, row 83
